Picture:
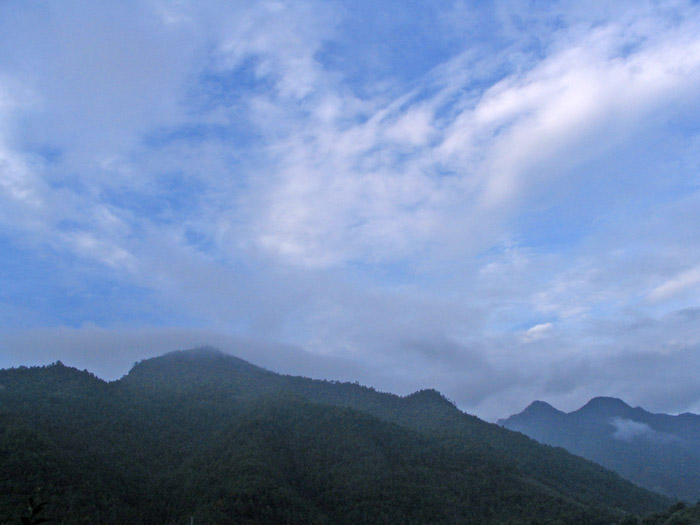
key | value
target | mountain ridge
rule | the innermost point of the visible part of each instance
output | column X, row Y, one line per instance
column 188, row 425
column 658, row 451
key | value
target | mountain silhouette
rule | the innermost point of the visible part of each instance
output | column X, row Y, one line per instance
column 206, row 435
column 658, row 451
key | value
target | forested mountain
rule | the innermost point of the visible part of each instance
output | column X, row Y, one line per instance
column 657, row 451
column 206, row 435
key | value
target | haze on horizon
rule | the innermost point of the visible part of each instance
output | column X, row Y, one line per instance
column 499, row 200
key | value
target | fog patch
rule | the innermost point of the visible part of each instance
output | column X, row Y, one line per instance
column 628, row 429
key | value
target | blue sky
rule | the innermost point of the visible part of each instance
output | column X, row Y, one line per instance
column 497, row 199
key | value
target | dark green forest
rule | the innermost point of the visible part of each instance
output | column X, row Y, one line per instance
column 205, row 437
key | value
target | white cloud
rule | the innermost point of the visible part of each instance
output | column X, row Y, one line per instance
column 342, row 191
column 536, row 332
column 336, row 184
column 17, row 181
column 629, row 430
column 575, row 103
column 414, row 128
column 87, row 245
column 676, row 285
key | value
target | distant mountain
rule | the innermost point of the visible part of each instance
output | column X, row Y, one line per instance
column 657, row 451
column 206, row 435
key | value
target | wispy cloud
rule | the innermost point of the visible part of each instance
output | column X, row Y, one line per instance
column 345, row 191
column 677, row 284
column 629, row 430
column 536, row 332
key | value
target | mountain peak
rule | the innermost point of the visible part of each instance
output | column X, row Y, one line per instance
column 540, row 407
column 202, row 354
column 605, row 404
column 203, row 365
column 535, row 411
column 429, row 395
column 200, row 351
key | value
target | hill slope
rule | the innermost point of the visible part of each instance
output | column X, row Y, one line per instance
column 657, row 451
column 204, row 434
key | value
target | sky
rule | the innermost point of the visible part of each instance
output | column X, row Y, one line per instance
column 499, row 200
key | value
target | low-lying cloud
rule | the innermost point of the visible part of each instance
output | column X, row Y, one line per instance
column 629, row 430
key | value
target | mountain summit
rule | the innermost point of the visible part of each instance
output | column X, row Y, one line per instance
column 541, row 408
column 605, row 406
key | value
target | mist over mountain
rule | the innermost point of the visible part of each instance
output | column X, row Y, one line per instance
column 206, row 435
column 658, row 451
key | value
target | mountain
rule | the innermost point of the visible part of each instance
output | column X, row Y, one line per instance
column 204, row 435
column 657, row 451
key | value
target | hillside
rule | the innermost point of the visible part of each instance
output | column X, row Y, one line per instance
column 204, row 434
column 657, row 451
